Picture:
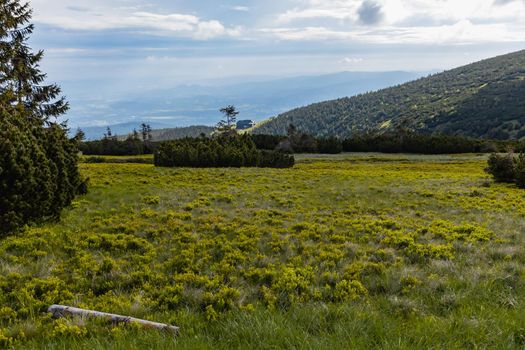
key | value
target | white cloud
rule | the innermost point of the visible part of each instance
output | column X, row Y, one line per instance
column 99, row 17
column 65, row 51
column 340, row 10
column 351, row 60
column 462, row 32
column 241, row 8
column 214, row 29
column 374, row 21
column 396, row 10
column 403, row 21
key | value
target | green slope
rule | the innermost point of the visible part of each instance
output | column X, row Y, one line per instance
column 483, row 99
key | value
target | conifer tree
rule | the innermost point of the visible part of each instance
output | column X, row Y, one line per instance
column 145, row 130
column 227, row 126
column 38, row 162
column 80, row 136
column 21, row 80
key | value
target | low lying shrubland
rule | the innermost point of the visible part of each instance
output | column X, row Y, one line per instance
column 393, row 142
column 297, row 143
column 223, row 151
column 420, row 144
column 115, row 147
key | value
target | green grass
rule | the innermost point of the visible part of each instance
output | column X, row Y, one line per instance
column 347, row 251
column 140, row 159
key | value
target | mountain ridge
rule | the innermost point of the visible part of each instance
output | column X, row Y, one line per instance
column 484, row 99
column 199, row 104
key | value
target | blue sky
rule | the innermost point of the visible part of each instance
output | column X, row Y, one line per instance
column 112, row 47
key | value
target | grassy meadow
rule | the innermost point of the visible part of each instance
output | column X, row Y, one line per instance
column 350, row 251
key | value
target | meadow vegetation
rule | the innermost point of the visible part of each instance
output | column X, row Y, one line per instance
column 346, row 251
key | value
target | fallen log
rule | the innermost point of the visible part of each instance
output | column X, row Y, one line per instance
column 61, row 311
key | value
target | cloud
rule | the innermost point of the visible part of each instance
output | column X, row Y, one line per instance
column 398, row 21
column 505, row 2
column 77, row 8
column 402, row 21
column 370, row 13
column 214, row 29
column 352, row 60
column 310, row 34
column 66, row 51
column 185, row 25
column 241, row 8
column 293, row 15
column 461, row 32
column 172, row 22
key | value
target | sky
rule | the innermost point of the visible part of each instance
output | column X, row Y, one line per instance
column 108, row 48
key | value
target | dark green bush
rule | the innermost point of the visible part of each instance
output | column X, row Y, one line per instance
column 519, row 170
column 225, row 151
column 520, row 147
column 38, row 163
column 267, row 142
column 330, row 145
column 501, row 167
column 507, row 168
column 38, row 172
column 113, row 147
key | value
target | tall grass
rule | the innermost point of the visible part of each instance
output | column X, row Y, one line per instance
column 340, row 252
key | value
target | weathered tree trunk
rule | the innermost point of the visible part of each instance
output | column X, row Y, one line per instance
column 61, row 311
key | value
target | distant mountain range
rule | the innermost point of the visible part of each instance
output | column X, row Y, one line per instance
column 97, row 132
column 484, row 99
column 199, row 104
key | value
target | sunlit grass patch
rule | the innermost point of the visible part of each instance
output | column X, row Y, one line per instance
column 410, row 250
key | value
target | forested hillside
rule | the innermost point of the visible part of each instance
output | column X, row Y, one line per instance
column 484, row 99
column 180, row 133
column 168, row 134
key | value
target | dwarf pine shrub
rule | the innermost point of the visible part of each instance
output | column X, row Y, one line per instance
column 38, row 172
column 519, row 170
column 501, row 167
column 224, row 151
column 507, row 168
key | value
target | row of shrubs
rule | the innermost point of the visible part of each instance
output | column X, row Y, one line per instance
column 508, row 168
column 135, row 147
column 298, row 143
column 131, row 147
column 425, row 144
column 38, row 171
column 304, row 143
column 114, row 147
column 386, row 143
column 223, row 151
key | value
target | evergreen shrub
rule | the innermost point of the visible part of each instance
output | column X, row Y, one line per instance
column 223, row 151
column 38, row 172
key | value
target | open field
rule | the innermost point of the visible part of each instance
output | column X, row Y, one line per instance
column 140, row 159
column 348, row 251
